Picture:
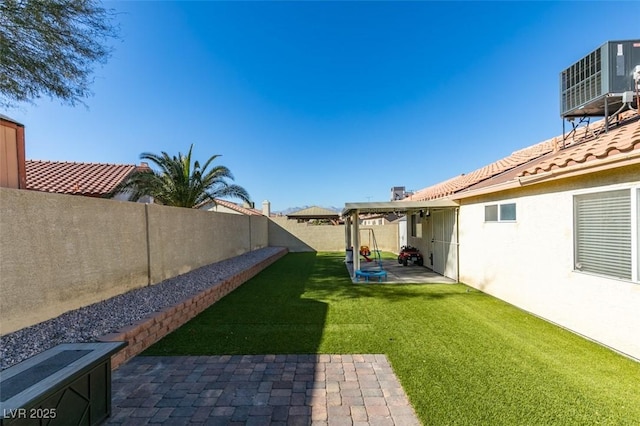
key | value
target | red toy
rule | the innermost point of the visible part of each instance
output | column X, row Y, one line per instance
column 365, row 252
column 408, row 253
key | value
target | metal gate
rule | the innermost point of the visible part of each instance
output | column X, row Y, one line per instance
column 444, row 243
column 402, row 232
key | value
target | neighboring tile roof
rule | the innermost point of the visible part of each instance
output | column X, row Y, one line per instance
column 91, row 179
column 314, row 212
column 587, row 144
column 240, row 209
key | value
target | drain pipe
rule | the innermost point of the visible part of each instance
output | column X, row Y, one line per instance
column 458, row 244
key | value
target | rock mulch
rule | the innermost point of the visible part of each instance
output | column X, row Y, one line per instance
column 89, row 323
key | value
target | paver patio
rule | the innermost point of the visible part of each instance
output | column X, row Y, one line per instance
column 260, row 390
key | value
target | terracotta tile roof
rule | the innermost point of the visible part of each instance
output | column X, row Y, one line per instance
column 463, row 181
column 238, row 208
column 90, row 179
column 586, row 144
column 622, row 139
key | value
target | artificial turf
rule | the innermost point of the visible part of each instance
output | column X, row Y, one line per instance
column 463, row 357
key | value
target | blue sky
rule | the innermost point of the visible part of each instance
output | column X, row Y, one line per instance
column 322, row 103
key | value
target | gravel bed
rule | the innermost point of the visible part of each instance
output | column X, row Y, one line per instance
column 89, row 323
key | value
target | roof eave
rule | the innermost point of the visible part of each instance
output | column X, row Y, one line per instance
column 628, row 159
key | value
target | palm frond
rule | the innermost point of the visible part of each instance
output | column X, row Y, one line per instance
column 180, row 182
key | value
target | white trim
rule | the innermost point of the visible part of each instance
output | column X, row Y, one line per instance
column 635, row 235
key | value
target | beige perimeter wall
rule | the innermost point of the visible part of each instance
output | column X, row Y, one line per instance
column 181, row 240
column 297, row 237
column 62, row 252
column 529, row 263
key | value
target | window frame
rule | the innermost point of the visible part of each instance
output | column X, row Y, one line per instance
column 634, row 231
column 413, row 225
column 498, row 212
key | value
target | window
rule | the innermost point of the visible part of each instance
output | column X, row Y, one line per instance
column 491, row 213
column 508, row 211
column 414, row 231
column 604, row 243
column 416, row 225
column 500, row 212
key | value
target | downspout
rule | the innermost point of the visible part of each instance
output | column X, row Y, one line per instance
column 458, row 244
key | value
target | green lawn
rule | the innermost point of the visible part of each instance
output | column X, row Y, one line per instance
column 463, row 357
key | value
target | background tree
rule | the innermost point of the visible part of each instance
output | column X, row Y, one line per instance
column 49, row 47
column 179, row 183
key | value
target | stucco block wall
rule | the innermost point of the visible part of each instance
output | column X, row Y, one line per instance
column 181, row 240
column 62, row 252
column 529, row 263
column 148, row 331
column 259, row 232
column 298, row 237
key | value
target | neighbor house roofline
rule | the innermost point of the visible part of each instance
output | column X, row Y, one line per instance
column 233, row 206
column 314, row 212
column 77, row 178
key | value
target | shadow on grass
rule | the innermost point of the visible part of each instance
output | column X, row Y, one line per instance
column 266, row 315
column 283, row 310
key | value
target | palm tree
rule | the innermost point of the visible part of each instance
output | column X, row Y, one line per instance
column 181, row 184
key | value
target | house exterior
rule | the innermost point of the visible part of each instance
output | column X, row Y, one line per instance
column 224, row 206
column 12, row 169
column 378, row 219
column 553, row 229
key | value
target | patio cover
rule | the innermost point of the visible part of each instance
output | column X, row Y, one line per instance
column 315, row 212
column 352, row 211
column 396, row 206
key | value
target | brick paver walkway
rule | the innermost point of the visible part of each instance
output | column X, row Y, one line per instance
column 260, row 390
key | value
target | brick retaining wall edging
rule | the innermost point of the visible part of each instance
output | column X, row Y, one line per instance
column 147, row 331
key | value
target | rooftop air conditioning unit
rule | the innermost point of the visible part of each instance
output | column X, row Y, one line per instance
column 601, row 82
column 398, row 193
